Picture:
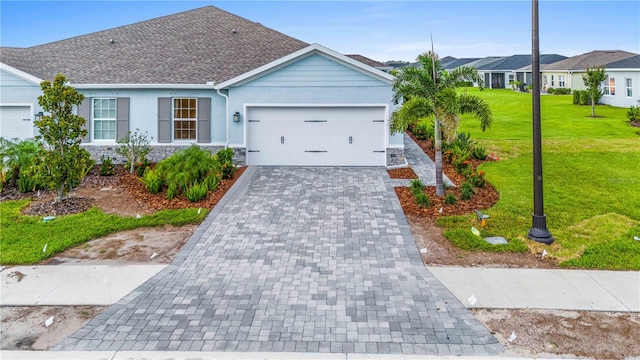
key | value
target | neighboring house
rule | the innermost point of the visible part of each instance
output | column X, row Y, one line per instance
column 499, row 74
column 450, row 65
column 373, row 63
column 622, row 86
column 568, row 73
column 212, row 78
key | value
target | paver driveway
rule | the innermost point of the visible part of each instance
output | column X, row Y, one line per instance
column 295, row 259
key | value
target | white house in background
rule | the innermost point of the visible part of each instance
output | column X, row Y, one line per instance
column 622, row 86
column 568, row 73
column 222, row 81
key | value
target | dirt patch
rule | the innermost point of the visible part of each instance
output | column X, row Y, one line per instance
column 635, row 123
column 597, row 335
column 23, row 327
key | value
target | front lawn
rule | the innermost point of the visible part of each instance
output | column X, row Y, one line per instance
column 23, row 238
column 591, row 179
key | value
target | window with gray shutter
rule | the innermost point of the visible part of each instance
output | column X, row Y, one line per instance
column 204, row 120
column 164, row 120
column 84, row 110
column 122, row 118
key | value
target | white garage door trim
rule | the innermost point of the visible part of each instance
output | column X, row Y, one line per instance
column 31, row 117
column 370, row 152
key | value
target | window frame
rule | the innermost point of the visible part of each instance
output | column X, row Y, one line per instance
column 606, row 87
column 561, row 81
column 175, row 119
column 628, row 85
column 553, row 82
column 104, row 119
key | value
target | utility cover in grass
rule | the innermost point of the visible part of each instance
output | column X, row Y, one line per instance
column 496, row 240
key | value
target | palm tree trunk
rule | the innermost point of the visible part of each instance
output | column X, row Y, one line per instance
column 438, row 160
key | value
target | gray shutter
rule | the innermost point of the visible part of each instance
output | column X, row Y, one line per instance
column 84, row 110
column 164, row 120
column 204, row 120
column 122, row 118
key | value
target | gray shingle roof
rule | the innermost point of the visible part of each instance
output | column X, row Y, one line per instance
column 628, row 63
column 458, row 62
column 368, row 61
column 515, row 62
column 593, row 58
column 192, row 47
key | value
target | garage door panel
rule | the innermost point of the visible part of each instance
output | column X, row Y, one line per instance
column 16, row 122
column 316, row 136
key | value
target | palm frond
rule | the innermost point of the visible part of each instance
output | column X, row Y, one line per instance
column 410, row 112
column 473, row 105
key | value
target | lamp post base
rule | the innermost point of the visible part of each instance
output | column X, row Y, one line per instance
column 538, row 231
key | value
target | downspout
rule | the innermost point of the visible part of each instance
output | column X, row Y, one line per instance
column 226, row 101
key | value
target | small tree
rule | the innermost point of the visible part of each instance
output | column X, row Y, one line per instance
column 62, row 163
column 593, row 80
column 135, row 148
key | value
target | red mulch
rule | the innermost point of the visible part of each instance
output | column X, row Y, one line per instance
column 484, row 198
column 159, row 201
column 402, row 173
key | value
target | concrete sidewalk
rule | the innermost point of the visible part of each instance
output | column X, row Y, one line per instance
column 501, row 288
column 71, row 284
column 193, row 355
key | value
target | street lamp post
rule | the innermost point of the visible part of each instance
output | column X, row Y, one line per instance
column 538, row 231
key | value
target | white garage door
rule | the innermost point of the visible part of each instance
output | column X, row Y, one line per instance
column 318, row 136
column 16, row 122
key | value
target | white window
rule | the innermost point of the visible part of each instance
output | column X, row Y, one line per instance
column 561, row 81
column 628, row 85
column 184, row 118
column 104, row 119
column 544, row 79
column 609, row 86
column 553, row 83
column 511, row 77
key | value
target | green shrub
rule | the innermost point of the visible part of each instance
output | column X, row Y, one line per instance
column 477, row 179
column 135, row 147
column 550, row 90
column 152, row 181
column 172, row 191
column 422, row 200
column 450, row 199
column 224, row 162
column 196, row 192
column 27, row 183
column 562, row 91
column 423, row 130
column 467, row 191
column 16, row 156
column 576, row 97
column 634, row 113
column 479, row 152
column 106, row 166
column 187, row 166
column 585, row 99
column 417, row 187
column 212, row 181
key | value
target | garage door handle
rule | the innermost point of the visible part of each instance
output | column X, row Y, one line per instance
column 254, row 120
column 379, row 151
column 281, row 139
column 254, row 150
column 378, row 120
column 350, row 139
column 315, row 121
column 315, row 151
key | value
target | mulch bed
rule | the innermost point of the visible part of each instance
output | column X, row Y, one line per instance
column 159, row 201
column 484, row 198
column 402, row 173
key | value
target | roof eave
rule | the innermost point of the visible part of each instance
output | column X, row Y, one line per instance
column 209, row 86
column 21, row 74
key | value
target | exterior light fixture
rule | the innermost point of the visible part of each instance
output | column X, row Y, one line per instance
column 39, row 115
column 236, row 116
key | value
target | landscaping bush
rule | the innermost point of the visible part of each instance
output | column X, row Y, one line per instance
column 135, row 147
column 187, row 166
column 634, row 113
column 172, row 191
column 576, row 97
column 562, row 91
column 479, row 153
column 450, row 199
column 467, row 191
column 417, row 187
column 423, row 130
column 16, row 156
column 224, row 161
column 152, row 181
column 550, row 90
column 106, row 166
column 196, row 192
column 26, row 183
column 477, row 179
column 212, row 181
column 584, row 98
column 422, row 200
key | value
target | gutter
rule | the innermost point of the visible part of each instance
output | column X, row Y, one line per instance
column 226, row 101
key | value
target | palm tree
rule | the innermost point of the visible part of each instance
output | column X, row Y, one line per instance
column 430, row 90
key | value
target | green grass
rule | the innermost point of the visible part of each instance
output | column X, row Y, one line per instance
column 23, row 238
column 591, row 180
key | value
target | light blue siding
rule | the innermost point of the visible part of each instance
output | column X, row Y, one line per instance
column 143, row 108
column 17, row 90
column 313, row 71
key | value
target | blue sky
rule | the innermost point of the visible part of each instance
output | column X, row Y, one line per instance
column 382, row 30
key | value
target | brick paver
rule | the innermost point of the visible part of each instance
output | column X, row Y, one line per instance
column 295, row 259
